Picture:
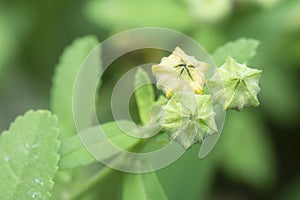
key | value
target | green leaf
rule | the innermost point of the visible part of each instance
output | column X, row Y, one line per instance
column 61, row 104
column 63, row 82
column 201, row 10
column 247, row 150
column 190, row 177
column 242, row 50
column 143, row 187
column 144, row 95
column 28, row 156
column 74, row 154
column 125, row 13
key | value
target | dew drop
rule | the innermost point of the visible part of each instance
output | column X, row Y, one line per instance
column 6, row 158
column 35, row 194
column 35, row 145
column 38, row 181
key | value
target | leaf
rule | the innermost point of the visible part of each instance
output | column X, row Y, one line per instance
column 201, row 10
column 61, row 104
column 242, row 50
column 125, row 13
column 28, row 156
column 74, row 154
column 63, row 82
column 143, row 187
column 190, row 177
column 246, row 150
column 144, row 95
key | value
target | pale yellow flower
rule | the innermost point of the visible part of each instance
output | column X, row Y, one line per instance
column 180, row 72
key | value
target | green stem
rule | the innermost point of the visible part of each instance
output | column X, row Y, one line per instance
column 86, row 188
column 100, row 176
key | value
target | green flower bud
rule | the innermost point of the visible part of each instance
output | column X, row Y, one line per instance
column 180, row 72
column 235, row 85
column 188, row 118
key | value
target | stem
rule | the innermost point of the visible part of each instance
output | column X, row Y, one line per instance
column 86, row 188
column 100, row 176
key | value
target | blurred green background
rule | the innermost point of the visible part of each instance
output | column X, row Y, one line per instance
column 257, row 156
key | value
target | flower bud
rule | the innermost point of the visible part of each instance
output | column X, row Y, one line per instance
column 235, row 85
column 180, row 72
column 188, row 118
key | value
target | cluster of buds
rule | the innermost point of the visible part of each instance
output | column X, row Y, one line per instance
column 188, row 116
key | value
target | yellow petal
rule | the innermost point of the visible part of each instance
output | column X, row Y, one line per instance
column 180, row 72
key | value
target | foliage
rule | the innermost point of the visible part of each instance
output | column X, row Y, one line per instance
column 256, row 150
column 241, row 50
column 74, row 154
column 64, row 79
column 255, row 165
column 142, row 186
column 29, row 156
column 144, row 95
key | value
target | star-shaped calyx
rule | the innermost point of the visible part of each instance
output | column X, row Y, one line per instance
column 235, row 85
column 188, row 118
